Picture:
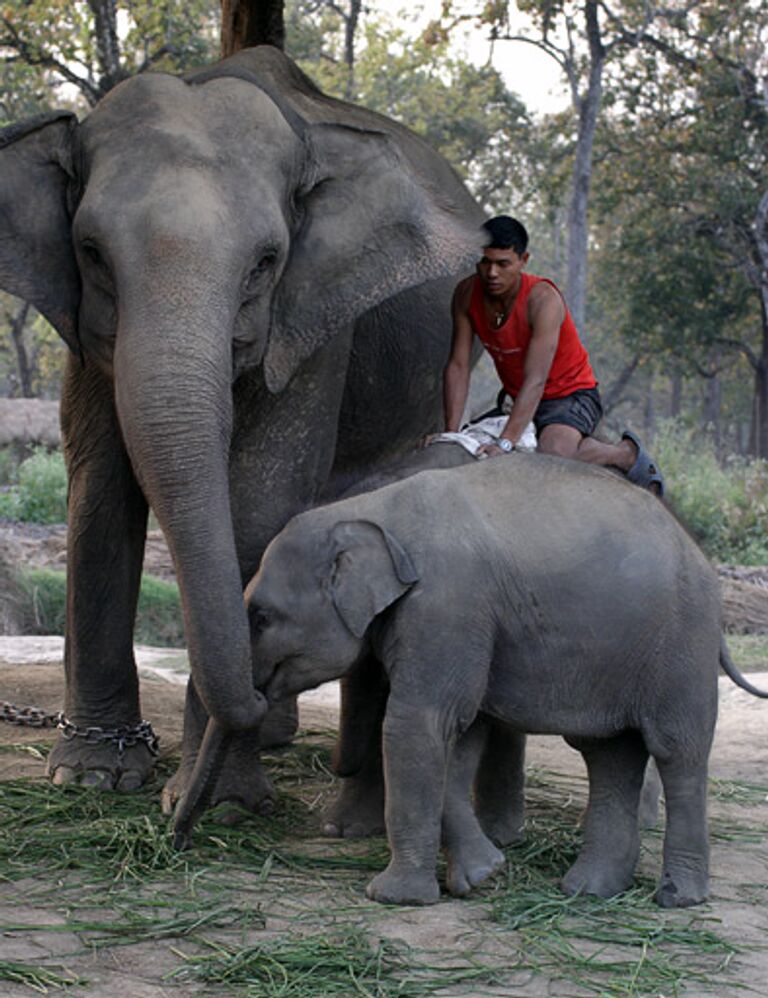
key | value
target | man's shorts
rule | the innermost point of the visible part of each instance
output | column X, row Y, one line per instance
column 582, row 410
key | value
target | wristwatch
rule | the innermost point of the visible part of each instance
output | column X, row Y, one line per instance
column 506, row 445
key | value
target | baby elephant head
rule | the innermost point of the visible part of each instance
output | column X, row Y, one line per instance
column 314, row 597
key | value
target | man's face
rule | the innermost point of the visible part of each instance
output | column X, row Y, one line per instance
column 500, row 269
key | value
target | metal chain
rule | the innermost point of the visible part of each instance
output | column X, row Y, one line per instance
column 124, row 737
column 27, row 717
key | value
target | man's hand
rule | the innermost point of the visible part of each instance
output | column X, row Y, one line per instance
column 492, row 450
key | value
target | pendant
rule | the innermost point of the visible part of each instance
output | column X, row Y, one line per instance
column 500, row 317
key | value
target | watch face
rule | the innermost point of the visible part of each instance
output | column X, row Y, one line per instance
column 505, row 445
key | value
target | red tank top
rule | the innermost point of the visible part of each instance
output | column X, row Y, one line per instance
column 508, row 345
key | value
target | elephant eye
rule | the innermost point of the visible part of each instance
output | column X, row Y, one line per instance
column 259, row 619
column 265, row 264
column 97, row 266
column 91, row 253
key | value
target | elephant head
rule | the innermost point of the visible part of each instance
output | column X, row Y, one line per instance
column 319, row 588
column 188, row 230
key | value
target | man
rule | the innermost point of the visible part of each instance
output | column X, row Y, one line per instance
column 524, row 324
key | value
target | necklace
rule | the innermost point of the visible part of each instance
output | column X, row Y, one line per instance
column 499, row 319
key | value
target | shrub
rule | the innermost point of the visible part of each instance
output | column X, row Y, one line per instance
column 725, row 506
column 158, row 619
column 39, row 494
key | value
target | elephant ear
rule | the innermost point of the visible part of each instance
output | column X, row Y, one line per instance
column 372, row 226
column 369, row 571
column 36, row 258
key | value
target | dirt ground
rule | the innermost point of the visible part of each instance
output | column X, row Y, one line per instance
column 30, row 673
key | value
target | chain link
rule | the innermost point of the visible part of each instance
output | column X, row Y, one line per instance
column 27, row 717
column 124, row 737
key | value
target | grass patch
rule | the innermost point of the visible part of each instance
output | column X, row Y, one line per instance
column 37, row 492
column 749, row 651
column 324, row 966
column 118, row 883
column 724, row 504
column 621, row 946
column 158, row 619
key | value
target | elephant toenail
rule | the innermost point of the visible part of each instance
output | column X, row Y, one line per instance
column 129, row 782
column 63, row 775
column 98, row 778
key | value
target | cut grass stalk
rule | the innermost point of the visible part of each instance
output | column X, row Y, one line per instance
column 40, row 979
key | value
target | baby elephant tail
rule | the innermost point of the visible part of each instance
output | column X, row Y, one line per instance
column 193, row 803
column 733, row 673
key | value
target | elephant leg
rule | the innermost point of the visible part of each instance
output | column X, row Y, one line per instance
column 107, row 519
column 470, row 854
column 500, row 785
column 685, row 872
column 606, row 863
column 415, row 763
column 358, row 808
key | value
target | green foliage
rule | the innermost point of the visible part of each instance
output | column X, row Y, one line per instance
column 40, row 492
column 464, row 111
column 91, row 47
column 158, row 618
column 725, row 506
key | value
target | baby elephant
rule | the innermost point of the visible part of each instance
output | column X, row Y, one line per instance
column 541, row 593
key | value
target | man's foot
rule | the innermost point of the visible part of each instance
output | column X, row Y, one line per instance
column 644, row 472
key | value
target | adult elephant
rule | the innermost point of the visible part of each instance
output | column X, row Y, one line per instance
column 253, row 280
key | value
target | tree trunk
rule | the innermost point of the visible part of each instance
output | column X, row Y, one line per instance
column 251, row 22
column 22, row 356
column 758, row 437
column 758, row 444
column 713, row 393
column 588, row 107
column 350, row 29
column 676, row 394
column 649, row 412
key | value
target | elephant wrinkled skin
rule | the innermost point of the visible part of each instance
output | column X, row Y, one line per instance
column 537, row 594
column 254, row 281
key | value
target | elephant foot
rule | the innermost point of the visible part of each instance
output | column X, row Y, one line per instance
column 102, row 766
column 471, row 863
column 235, row 797
column 357, row 811
column 597, row 877
column 398, row 885
column 503, row 829
column 682, row 891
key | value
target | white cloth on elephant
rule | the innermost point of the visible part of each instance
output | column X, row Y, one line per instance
column 472, row 436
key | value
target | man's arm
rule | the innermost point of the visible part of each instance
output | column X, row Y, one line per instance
column 457, row 370
column 546, row 313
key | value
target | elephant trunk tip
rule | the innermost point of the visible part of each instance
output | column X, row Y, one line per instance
column 181, row 840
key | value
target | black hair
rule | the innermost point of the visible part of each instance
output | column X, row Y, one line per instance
column 506, row 233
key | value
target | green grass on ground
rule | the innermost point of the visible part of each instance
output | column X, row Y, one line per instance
column 119, row 883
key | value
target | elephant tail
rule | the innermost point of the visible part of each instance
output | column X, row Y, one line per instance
column 210, row 759
column 733, row 673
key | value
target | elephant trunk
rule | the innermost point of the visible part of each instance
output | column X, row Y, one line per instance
column 210, row 759
column 174, row 401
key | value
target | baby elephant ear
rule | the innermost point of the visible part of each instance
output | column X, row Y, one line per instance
column 369, row 571
column 36, row 258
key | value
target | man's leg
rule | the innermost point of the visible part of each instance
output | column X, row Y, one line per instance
column 567, row 441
